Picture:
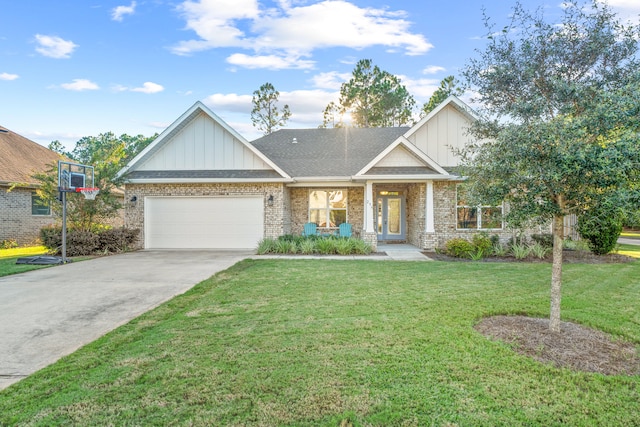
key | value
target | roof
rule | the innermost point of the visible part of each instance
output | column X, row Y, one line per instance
column 20, row 158
column 326, row 152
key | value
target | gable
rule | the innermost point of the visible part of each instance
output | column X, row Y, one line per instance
column 200, row 147
column 443, row 132
column 399, row 157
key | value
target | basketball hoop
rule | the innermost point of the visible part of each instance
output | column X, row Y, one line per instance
column 89, row 193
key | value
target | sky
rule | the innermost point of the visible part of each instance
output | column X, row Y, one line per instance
column 75, row 68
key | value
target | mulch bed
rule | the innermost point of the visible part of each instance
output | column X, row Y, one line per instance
column 575, row 347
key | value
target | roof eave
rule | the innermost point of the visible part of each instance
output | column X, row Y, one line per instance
column 205, row 180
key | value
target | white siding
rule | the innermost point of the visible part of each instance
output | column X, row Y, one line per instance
column 204, row 144
column 439, row 136
column 399, row 157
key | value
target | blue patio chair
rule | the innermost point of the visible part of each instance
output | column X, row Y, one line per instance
column 310, row 229
column 344, row 230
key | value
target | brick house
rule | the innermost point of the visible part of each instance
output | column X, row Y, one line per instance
column 21, row 212
column 200, row 184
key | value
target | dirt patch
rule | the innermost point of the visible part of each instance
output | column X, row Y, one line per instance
column 568, row 257
column 575, row 347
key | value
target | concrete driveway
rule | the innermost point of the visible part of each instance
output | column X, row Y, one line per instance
column 49, row 313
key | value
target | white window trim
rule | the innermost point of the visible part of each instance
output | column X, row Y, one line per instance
column 478, row 215
column 327, row 207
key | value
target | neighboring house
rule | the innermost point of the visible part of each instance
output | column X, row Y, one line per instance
column 200, row 184
column 21, row 212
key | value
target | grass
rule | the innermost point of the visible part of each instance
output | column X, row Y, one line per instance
column 352, row 343
column 630, row 234
column 8, row 259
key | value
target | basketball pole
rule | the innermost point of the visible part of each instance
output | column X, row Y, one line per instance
column 64, row 226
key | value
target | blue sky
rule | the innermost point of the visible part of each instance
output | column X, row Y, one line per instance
column 74, row 68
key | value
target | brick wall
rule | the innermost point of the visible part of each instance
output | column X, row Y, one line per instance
column 275, row 216
column 16, row 221
column 300, row 208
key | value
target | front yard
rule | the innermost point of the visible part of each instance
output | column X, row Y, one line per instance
column 320, row 342
column 8, row 258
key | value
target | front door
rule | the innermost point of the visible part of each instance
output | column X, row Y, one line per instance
column 391, row 223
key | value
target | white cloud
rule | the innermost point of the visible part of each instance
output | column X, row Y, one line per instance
column 289, row 33
column 331, row 80
column 433, row 69
column 271, row 62
column 148, row 87
column 118, row 13
column 7, row 76
column 80, row 85
column 55, row 47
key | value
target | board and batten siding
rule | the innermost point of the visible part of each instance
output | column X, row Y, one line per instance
column 440, row 136
column 204, row 145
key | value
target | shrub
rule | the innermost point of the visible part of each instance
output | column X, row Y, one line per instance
column 307, row 246
column 326, row 246
column 601, row 227
column 544, row 239
column 361, row 247
column 459, row 248
column 87, row 242
column 539, row 250
column 286, row 247
column 520, row 250
column 8, row 244
column 481, row 243
column 266, row 246
column 344, row 246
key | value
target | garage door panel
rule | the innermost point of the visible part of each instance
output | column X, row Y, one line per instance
column 203, row 222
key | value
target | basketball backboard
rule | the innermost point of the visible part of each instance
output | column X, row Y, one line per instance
column 74, row 175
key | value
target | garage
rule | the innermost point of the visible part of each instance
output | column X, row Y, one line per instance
column 224, row 222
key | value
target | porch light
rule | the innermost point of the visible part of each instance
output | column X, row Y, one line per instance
column 270, row 200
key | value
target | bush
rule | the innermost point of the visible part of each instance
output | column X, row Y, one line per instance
column 482, row 244
column 459, row 248
column 266, row 246
column 520, row 250
column 601, row 227
column 99, row 240
column 544, row 239
column 8, row 244
column 539, row 250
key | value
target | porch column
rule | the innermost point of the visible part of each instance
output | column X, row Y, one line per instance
column 429, row 225
column 368, row 208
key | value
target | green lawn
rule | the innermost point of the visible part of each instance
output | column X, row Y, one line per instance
column 328, row 343
column 8, row 259
column 629, row 250
column 630, row 234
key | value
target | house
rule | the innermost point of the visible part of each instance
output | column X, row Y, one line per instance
column 21, row 212
column 200, row 184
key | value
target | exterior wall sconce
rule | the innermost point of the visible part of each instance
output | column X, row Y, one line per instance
column 270, row 200
column 133, row 199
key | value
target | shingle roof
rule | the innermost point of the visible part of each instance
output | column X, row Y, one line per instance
column 326, row 152
column 20, row 158
column 204, row 174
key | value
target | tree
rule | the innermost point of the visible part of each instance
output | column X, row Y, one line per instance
column 561, row 121
column 265, row 114
column 448, row 86
column 375, row 98
column 107, row 154
column 332, row 116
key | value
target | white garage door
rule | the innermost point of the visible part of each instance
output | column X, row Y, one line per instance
column 203, row 222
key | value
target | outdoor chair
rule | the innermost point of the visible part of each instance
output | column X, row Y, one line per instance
column 310, row 229
column 344, row 230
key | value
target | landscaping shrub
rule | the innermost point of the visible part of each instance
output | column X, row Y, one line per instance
column 459, row 248
column 8, row 244
column 539, row 250
column 520, row 250
column 601, row 227
column 99, row 240
column 482, row 244
column 266, row 246
column 307, row 245
column 544, row 239
column 326, row 246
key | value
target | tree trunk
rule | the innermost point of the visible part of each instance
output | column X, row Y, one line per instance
column 556, row 273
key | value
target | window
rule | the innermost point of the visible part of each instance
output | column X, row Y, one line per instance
column 476, row 217
column 38, row 206
column 328, row 208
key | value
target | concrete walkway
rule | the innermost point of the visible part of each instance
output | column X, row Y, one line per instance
column 49, row 313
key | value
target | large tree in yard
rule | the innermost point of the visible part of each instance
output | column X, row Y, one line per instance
column 375, row 98
column 560, row 121
column 265, row 115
